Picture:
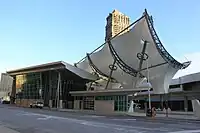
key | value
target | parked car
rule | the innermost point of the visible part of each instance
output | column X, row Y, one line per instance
column 5, row 100
column 37, row 105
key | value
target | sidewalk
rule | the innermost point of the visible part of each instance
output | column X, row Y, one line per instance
column 159, row 115
column 176, row 113
column 4, row 129
column 171, row 116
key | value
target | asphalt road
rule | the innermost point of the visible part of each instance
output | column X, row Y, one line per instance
column 26, row 120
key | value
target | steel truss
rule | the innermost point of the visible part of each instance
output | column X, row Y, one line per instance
column 126, row 68
column 163, row 52
column 111, row 39
column 96, row 70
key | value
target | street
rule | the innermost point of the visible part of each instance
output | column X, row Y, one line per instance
column 25, row 120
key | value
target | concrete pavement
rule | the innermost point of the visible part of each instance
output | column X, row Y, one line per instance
column 4, row 129
column 184, row 116
column 25, row 120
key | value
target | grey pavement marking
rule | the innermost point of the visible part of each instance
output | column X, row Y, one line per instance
column 44, row 121
column 186, row 131
column 92, row 116
column 94, row 124
column 124, row 119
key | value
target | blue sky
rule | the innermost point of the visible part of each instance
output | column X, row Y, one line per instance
column 40, row 31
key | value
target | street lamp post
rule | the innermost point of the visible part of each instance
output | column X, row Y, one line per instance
column 149, row 98
column 149, row 89
column 142, row 57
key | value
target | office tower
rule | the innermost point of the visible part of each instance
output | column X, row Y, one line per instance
column 116, row 22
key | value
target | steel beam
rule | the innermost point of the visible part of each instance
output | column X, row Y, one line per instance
column 112, row 69
column 112, row 38
column 141, row 62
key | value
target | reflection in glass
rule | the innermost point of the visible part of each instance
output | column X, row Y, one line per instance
column 28, row 86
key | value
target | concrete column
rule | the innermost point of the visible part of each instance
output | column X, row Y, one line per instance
column 50, row 103
column 196, row 107
column 13, row 92
column 81, row 104
column 77, row 104
column 60, row 91
column 161, row 102
column 145, row 106
column 185, row 103
column 61, row 104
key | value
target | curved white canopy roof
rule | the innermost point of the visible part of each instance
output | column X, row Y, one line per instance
column 126, row 51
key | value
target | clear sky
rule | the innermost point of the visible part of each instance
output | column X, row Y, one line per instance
column 41, row 31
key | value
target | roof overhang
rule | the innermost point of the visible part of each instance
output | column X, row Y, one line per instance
column 38, row 68
column 106, row 92
column 54, row 66
column 83, row 74
column 195, row 77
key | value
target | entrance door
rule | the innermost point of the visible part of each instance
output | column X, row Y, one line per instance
column 88, row 103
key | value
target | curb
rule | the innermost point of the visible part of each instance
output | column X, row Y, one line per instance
column 166, row 119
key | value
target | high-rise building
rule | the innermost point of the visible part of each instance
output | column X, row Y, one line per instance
column 116, row 22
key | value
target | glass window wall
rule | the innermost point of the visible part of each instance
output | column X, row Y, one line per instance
column 29, row 86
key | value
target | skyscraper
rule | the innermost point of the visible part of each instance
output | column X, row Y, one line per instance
column 116, row 22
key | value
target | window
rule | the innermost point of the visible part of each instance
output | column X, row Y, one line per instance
column 29, row 85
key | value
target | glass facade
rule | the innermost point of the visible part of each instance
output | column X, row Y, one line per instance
column 43, row 86
column 120, row 101
column 29, row 86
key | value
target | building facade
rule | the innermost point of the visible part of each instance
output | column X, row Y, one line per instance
column 43, row 83
column 116, row 22
column 181, row 93
column 49, row 83
column 126, row 58
column 5, row 85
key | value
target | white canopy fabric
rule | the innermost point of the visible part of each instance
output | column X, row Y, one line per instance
column 127, row 46
column 82, row 73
